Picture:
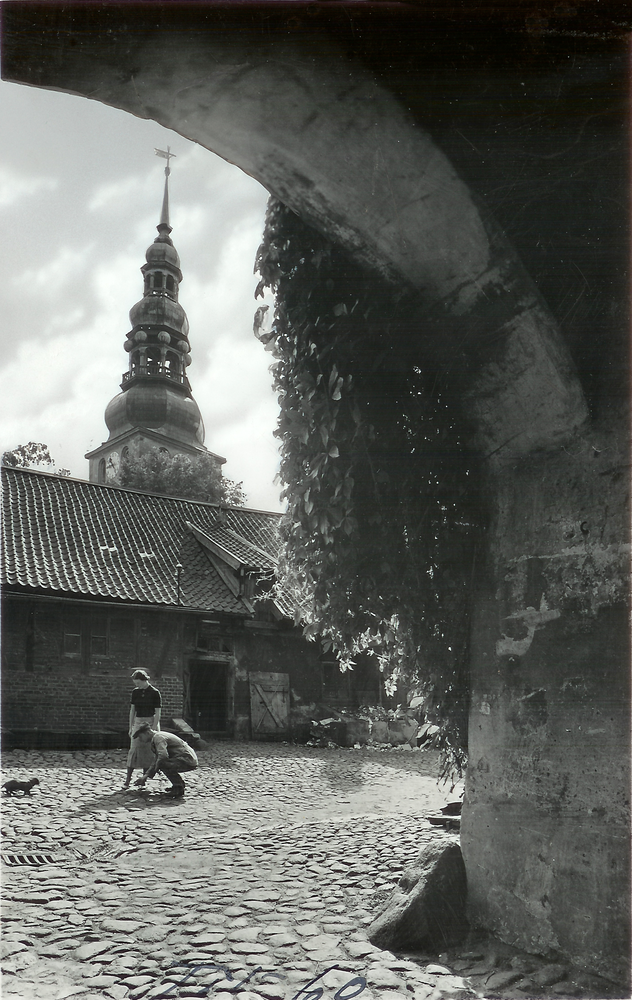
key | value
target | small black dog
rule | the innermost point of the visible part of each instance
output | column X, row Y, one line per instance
column 14, row 785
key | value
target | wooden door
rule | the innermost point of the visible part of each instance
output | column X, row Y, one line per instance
column 269, row 703
column 208, row 696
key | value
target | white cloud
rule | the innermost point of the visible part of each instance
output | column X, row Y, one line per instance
column 51, row 279
column 76, row 258
column 14, row 186
column 114, row 193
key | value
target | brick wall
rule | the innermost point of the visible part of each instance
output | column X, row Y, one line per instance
column 67, row 665
column 54, row 701
column 49, row 684
column 172, row 694
column 77, row 701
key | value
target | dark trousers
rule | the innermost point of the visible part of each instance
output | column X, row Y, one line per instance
column 172, row 769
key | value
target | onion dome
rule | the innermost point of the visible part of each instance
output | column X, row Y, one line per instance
column 163, row 252
column 155, row 406
column 159, row 311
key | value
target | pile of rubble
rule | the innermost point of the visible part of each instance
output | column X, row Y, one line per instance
column 372, row 726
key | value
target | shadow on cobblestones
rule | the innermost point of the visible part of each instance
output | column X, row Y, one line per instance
column 339, row 778
column 112, row 801
column 278, row 859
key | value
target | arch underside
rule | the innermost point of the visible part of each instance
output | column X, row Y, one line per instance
column 317, row 130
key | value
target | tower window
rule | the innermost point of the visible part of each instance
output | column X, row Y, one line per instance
column 153, row 362
column 125, row 454
column 157, row 280
column 102, row 470
column 173, row 365
column 170, row 283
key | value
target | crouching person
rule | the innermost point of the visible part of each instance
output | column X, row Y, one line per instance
column 172, row 757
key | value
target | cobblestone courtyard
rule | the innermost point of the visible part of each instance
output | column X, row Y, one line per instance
column 263, row 877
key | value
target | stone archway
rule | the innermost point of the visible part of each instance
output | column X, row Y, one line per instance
column 317, row 130
column 310, row 121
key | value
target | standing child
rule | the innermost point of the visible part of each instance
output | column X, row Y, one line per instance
column 144, row 710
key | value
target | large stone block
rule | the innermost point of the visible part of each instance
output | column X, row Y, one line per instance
column 427, row 909
column 379, row 731
column 358, row 731
column 402, row 731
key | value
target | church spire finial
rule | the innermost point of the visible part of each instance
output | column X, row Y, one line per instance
column 163, row 226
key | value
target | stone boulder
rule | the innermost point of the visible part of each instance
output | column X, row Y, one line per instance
column 379, row 731
column 358, row 731
column 427, row 909
column 402, row 731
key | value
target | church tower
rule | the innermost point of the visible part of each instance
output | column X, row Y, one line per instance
column 155, row 407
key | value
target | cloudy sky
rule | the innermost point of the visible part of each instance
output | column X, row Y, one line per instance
column 80, row 197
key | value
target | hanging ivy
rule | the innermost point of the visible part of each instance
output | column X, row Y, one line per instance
column 382, row 499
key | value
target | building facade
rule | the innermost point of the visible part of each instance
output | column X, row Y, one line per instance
column 99, row 580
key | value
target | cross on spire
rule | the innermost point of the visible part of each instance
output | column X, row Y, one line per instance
column 164, row 227
column 166, row 155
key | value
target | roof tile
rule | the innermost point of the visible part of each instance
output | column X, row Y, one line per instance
column 77, row 537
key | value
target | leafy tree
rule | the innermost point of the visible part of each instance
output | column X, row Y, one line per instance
column 32, row 456
column 383, row 503
column 155, row 471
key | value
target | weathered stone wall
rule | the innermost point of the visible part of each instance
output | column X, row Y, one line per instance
column 545, row 829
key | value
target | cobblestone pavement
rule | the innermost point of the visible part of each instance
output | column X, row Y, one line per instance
column 264, row 877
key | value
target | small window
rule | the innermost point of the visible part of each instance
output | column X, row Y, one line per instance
column 98, row 642
column 153, row 361
column 210, row 644
column 72, row 641
column 102, row 470
column 157, row 280
column 125, row 454
column 170, row 283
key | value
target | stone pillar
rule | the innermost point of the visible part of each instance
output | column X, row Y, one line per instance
column 545, row 827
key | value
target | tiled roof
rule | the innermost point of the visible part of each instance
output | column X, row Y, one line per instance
column 247, row 554
column 70, row 536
